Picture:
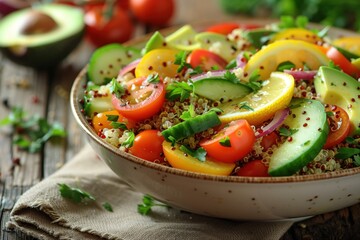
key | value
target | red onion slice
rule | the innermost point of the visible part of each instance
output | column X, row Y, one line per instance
column 278, row 119
column 240, row 60
column 301, row 75
column 128, row 68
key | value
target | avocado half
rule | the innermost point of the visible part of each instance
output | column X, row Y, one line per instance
column 41, row 49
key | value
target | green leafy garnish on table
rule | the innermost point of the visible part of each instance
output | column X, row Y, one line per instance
column 147, row 203
column 31, row 133
column 74, row 194
column 107, row 206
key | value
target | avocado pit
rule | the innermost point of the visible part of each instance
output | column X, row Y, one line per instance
column 37, row 22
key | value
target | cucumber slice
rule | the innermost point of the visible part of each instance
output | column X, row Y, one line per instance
column 191, row 126
column 308, row 117
column 97, row 99
column 106, row 62
column 216, row 88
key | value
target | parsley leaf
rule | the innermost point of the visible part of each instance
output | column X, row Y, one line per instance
column 118, row 125
column 116, row 88
column 32, row 133
column 287, row 132
column 245, row 105
column 153, row 78
column 180, row 59
column 344, row 153
column 74, row 194
column 199, row 153
column 129, row 142
column 225, row 142
column 254, row 82
column 231, row 77
column 107, row 206
column 190, row 113
column 196, row 70
column 112, row 118
column 147, row 203
column 178, row 90
column 231, row 64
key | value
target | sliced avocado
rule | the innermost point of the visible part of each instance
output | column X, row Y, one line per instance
column 308, row 121
column 157, row 40
column 41, row 36
column 338, row 88
column 220, row 89
column 217, row 43
column 183, row 39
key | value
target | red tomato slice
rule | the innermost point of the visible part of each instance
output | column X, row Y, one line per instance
column 254, row 168
column 206, row 60
column 339, row 59
column 148, row 145
column 142, row 99
column 339, row 126
column 100, row 120
column 223, row 28
column 232, row 143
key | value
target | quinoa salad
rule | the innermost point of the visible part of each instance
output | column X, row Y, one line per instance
column 233, row 99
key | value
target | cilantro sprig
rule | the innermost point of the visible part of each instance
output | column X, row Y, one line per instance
column 148, row 202
column 116, row 88
column 287, row 132
column 130, row 138
column 178, row 90
column 30, row 134
column 180, row 59
column 199, row 153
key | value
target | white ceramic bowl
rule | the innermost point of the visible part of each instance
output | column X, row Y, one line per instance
column 240, row 198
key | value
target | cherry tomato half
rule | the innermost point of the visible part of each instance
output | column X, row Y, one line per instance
column 153, row 12
column 339, row 126
column 102, row 29
column 232, row 143
column 339, row 59
column 148, row 145
column 206, row 60
column 142, row 100
column 223, row 28
column 100, row 120
column 254, row 168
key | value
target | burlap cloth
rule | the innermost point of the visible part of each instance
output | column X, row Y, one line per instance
column 42, row 213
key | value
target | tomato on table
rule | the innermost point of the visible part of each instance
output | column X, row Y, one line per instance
column 232, row 143
column 339, row 126
column 148, row 145
column 206, row 60
column 153, row 12
column 104, row 26
column 254, row 168
column 101, row 120
column 142, row 99
column 339, row 59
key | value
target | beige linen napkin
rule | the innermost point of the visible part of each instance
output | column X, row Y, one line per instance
column 42, row 213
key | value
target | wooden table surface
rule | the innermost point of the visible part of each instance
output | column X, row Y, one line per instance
column 46, row 93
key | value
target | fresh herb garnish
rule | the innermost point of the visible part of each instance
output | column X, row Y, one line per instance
column 232, row 64
column 74, row 194
column 153, row 78
column 287, row 65
column 178, row 90
column 199, row 153
column 330, row 114
column 225, row 142
column 357, row 160
column 112, row 118
column 245, row 105
column 147, row 203
column 217, row 110
column 190, row 113
column 345, row 152
column 180, row 59
column 231, row 77
column 196, row 70
column 107, row 206
column 32, row 133
column 130, row 137
column 333, row 65
column 254, row 82
column 287, row 132
column 116, row 88
column 118, row 125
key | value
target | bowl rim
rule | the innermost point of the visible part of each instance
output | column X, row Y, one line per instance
column 79, row 117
